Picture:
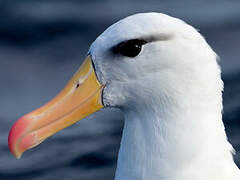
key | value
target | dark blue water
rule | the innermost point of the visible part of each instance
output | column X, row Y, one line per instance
column 42, row 43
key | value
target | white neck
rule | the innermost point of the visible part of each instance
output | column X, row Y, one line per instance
column 175, row 143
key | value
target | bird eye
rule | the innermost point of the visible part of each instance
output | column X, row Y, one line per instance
column 130, row 48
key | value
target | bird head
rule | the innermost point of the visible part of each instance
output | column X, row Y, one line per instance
column 136, row 62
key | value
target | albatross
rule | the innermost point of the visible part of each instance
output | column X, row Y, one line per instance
column 165, row 78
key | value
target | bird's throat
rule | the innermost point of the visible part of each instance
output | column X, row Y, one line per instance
column 172, row 146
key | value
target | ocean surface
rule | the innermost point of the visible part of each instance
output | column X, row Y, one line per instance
column 42, row 43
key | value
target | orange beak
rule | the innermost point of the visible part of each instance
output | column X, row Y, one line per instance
column 80, row 98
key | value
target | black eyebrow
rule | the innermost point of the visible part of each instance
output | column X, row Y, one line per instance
column 147, row 39
column 157, row 37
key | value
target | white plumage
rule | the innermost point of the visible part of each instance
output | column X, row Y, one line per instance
column 171, row 96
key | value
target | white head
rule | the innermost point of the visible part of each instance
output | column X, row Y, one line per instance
column 175, row 60
column 165, row 77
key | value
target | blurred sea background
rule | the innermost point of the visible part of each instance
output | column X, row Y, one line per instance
column 42, row 43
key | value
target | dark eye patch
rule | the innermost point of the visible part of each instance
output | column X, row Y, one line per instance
column 130, row 48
